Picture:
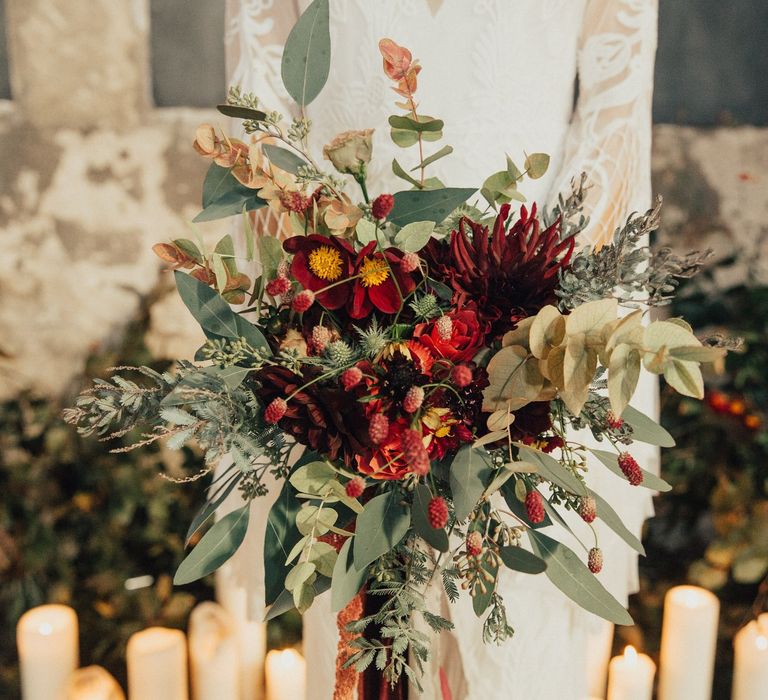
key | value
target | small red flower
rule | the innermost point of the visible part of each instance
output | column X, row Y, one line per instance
column 413, row 399
column 461, row 376
column 534, row 507
column 380, row 280
column 355, row 487
column 378, row 429
column 587, row 509
column 553, row 443
column 410, row 262
column 294, row 201
column 466, row 337
column 303, row 301
column 275, row 411
column 351, row 377
column 320, row 338
column 614, row 422
column 474, row 543
column 437, row 513
column 382, row 205
column 595, row 560
column 321, row 261
column 278, row 286
column 630, row 468
column 414, row 452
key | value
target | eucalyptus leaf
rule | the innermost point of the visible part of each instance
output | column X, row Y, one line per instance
column 519, row 559
column 307, row 55
column 281, row 535
column 470, row 473
column 398, row 170
column 347, row 580
column 381, row 526
column 245, row 113
column 552, row 470
column 413, row 237
column 214, row 314
column 646, row 430
column 437, row 155
column 609, row 516
column 283, row 158
column 424, row 123
column 211, row 505
column 434, row 537
column 427, row 205
column 215, row 547
column 571, row 575
column 536, row 165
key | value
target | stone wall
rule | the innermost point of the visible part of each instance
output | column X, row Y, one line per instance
column 93, row 175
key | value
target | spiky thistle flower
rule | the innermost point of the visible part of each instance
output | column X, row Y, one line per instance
column 372, row 340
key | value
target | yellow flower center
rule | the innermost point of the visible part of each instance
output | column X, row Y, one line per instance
column 325, row 262
column 373, row 272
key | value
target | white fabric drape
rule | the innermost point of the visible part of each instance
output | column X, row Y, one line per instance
column 501, row 74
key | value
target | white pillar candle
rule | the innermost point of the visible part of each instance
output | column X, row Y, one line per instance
column 157, row 665
column 599, row 644
column 93, row 683
column 213, row 653
column 286, row 673
column 750, row 673
column 234, row 597
column 630, row 677
column 688, row 639
column 46, row 637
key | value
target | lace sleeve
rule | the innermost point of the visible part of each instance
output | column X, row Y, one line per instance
column 256, row 31
column 610, row 133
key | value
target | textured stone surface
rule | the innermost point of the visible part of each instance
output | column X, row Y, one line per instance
column 79, row 64
column 79, row 212
column 715, row 188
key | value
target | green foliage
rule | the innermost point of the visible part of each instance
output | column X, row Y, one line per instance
column 307, row 54
column 427, row 205
column 571, row 575
column 628, row 269
column 224, row 196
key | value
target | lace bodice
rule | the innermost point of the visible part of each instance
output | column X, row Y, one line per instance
column 503, row 75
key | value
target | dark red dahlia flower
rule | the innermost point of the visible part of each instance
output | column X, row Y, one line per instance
column 323, row 417
column 375, row 286
column 467, row 336
column 320, row 261
column 506, row 275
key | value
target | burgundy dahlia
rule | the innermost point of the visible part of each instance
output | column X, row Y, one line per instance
column 505, row 275
column 320, row 416
column 319, row 262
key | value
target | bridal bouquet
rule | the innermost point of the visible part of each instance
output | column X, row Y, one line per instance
column 411, row 366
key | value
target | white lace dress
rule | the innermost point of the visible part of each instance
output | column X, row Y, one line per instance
column 502, row 75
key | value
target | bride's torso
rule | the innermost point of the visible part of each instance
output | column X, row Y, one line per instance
column 499, row 73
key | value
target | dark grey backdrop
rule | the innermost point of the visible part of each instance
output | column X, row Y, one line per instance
column 712, row 64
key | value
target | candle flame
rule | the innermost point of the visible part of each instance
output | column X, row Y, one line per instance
column 761, row 642
column 630, row 654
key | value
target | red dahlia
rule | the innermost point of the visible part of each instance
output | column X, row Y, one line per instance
column 505, row 275
column 321, row 416
column 320, row 261
column 379, row 282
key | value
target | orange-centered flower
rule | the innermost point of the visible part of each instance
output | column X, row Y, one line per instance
column 326, row 263
column 373, row 272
